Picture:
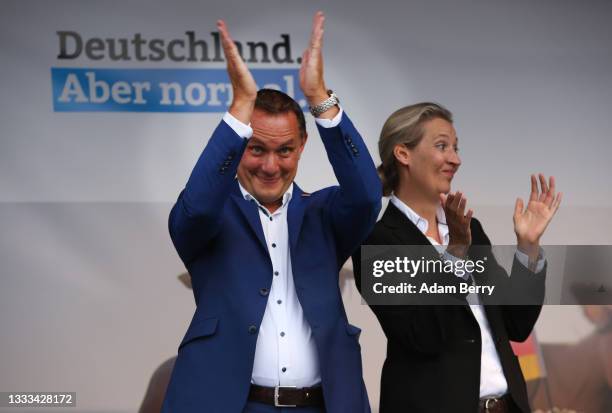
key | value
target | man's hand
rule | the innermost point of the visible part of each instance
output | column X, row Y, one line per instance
column 243, row 84
column 311, row 70
column 530, row 223
column 460, row 234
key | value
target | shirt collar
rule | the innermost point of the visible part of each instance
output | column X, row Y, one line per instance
column 286, row 196
column 420, row 222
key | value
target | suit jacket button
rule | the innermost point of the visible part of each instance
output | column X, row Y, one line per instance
column 264, row 292
column 252, row 329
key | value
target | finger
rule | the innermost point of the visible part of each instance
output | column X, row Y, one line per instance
column 305, row 58
column 518, row 208
column 316, row 37
column 456, row 200
column 222, row 28
column 229, row 47
column 533, row 196
column 461, row 207
column 449, row 200
column 226, row 38
column 550, row 196
column 468, row 217
column 556, row 202
column 543, row 187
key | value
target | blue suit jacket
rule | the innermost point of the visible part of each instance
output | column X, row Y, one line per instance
column 219, row 237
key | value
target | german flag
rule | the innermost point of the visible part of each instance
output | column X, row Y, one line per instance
column 530, row 358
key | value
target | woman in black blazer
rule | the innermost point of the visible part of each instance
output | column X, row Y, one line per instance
column 454, row 358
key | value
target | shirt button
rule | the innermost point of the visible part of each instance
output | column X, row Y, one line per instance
column 279, row 301
column 270, row 218
column 284, row 369
column 273, row 245
column 282, row 334
column 264, row 292
column 252, row 329
column 275, row 272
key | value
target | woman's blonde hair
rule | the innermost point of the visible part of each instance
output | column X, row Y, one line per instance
column 405, row 127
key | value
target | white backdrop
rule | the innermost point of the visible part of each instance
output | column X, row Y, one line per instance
column 89, row 300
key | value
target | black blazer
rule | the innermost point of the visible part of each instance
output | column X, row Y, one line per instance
column 434, row 351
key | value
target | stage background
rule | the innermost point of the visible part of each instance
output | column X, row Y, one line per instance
column 89, row 299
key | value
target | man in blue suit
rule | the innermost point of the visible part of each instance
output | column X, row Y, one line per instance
column 270, row 330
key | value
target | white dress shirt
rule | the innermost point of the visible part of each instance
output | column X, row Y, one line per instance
column 285, row 353
column 492, row 379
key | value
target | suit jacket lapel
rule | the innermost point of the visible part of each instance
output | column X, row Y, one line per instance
column 251, row 212
column 402, row 227
column 295, row 215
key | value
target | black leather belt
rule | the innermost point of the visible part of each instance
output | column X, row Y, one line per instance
column 495, row 404
column 287, row 396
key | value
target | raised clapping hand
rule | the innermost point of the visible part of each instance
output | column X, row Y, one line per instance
column 531, row 222
column 243, row 84
column 245, row 88
column 311, row 70
column 460, row 235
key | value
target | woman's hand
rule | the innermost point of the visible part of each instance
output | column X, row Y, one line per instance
column 460, row 234
column 531, row 222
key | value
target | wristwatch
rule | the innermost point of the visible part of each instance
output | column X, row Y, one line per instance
column 324, row 106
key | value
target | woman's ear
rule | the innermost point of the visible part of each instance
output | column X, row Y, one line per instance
column 402, row 154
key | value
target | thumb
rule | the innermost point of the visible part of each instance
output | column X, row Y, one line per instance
column 518, row 208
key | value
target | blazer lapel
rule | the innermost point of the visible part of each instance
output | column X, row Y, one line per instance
column 250, row 211
column 403, row 229
column 295, row 215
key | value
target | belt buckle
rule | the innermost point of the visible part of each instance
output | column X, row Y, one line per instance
column 277, row 395
column 493, row 400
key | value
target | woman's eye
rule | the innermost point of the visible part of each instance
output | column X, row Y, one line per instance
column 441, row 146
column 456, row 149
